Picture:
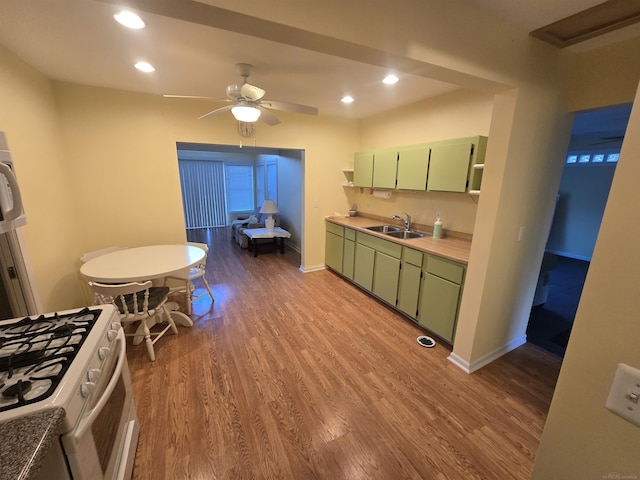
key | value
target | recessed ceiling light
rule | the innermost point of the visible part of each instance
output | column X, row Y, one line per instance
column 129, row 20
column 390, row 79
column 145, row 67
column 347, row 99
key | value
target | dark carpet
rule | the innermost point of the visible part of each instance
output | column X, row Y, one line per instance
column 550, row 323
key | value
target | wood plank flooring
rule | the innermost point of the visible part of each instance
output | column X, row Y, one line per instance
column 303, row 376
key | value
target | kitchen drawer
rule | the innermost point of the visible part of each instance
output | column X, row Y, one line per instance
column 335, row 229
column 350, row 234
column 390, row 248
column 411, row 256
column 454, row 272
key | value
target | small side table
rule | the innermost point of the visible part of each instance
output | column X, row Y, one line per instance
column 254, row 234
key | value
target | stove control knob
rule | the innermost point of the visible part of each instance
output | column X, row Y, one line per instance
column 111, row 335
column 116, row 326
column 87, row 389
column 103, row 352
column 93, row 375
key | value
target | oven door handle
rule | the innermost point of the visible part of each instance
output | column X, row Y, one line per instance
column 87, row 421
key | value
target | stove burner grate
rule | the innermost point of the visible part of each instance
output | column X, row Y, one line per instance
column 35, row 353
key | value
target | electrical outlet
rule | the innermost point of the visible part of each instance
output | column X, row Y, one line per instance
column 315, row 204
column 368, row 204
column 624, row 396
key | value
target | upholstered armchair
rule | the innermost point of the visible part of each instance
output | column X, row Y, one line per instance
column 254, row 221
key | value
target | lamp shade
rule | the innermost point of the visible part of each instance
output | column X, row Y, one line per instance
column 245, row 113
column 269, row 206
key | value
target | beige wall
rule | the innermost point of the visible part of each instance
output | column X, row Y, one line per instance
column 459, row 114
column 122, row 149
column 582, row 439
column 50, row 239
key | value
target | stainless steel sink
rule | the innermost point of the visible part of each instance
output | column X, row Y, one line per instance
column 405, row 235
column 384, row 229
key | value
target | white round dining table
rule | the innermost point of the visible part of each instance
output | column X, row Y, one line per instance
column 143, row 263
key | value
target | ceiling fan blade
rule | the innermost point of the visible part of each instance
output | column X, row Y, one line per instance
column 290, row 107
column 188, row 96
column 267, row 117
column 216, row 112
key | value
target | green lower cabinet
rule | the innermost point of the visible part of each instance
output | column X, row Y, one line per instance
column 348, row 257
column 385, row 277
column 333, row 251
column 438, row 309
column 363, row 266
column 409, row 289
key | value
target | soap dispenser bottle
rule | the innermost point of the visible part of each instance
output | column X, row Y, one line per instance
column 437, row 228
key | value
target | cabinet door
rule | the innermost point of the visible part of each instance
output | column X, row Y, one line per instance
column 449, row 167
column 385, row 166
column 409, row 289
column 348, row 257
column 363, row 169
column 385, row 277
column 412, row 168
column 333, row 251
column 363, row 266
column 438, row 307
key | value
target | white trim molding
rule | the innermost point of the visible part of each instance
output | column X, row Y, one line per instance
column 488, row 358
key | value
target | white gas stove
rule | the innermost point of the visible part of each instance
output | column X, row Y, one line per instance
column 76, row 360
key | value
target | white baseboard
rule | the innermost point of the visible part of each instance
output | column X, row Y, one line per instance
column 488, row 358
column 312, row 269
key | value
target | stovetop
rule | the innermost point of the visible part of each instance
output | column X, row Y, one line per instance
column 36, row 352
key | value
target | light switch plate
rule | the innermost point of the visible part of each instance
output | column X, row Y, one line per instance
column 624, row 396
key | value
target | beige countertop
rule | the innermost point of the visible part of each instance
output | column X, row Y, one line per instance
column 452, row 246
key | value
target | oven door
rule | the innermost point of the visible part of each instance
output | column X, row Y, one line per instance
column 103, row 443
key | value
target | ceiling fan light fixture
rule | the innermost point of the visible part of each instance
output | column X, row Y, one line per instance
column 145, row 67
column 390, row 79
column 129, row 20
column 245, row 113
column 347, row 99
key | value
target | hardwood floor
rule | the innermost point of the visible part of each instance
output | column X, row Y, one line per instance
column 303, row 376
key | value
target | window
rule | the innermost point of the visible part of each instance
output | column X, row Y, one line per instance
column 600, row 157
column 203, row 197
column 239, row 182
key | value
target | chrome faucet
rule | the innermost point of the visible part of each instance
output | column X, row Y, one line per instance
column 407, row 221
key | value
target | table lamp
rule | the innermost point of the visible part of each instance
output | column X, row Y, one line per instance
column 269, row 207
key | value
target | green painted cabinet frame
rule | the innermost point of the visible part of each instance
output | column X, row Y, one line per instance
column 386, row 274
column 334, row 246
column 363, row 169
column 409, row 284
column 413, row 165
column 385, row 166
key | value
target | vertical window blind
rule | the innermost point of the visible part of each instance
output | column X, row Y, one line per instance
column 203, row 193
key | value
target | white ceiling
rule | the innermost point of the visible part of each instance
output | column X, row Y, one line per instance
column 78, row 41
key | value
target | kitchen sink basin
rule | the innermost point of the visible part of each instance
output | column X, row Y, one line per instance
column 384, row 229
column 405, row 235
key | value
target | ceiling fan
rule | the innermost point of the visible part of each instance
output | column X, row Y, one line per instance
column 612, row 139
column 249, row 102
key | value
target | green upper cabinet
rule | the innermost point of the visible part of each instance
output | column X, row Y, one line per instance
column 451, row 162
column 413, row 165
column 449, row 167
column 363, row 169
column 385, row 166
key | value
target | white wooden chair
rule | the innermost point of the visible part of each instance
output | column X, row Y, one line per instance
column 138, row 302
column 88, row 294
column 188, row 275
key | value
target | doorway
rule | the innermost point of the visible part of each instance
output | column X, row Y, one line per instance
column 287, row 183
column 590, row 163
